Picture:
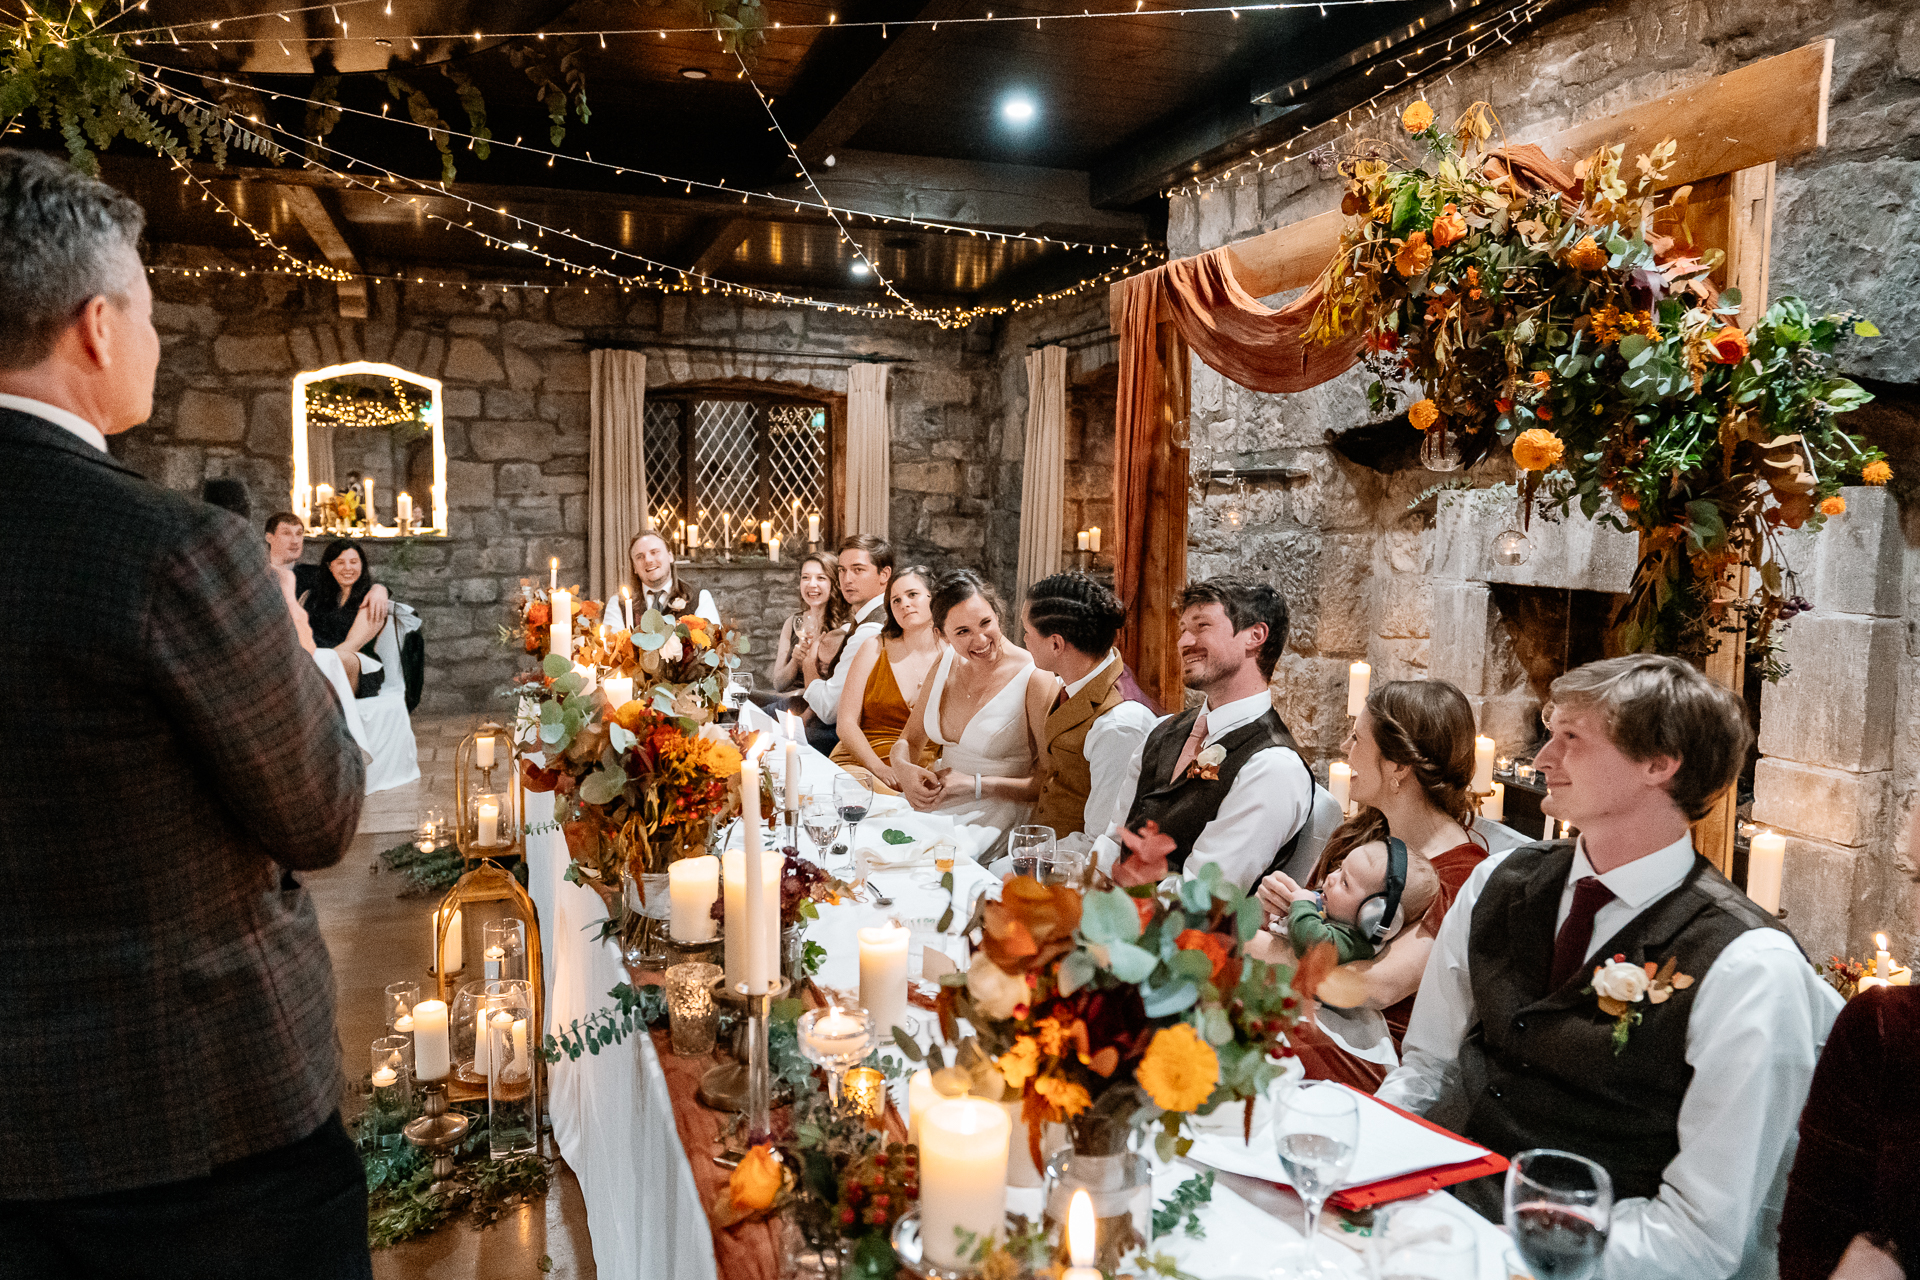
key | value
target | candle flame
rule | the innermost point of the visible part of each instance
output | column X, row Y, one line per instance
column 1080, row 1242
column 1880, row 941
column 554, row 563
column 761, row 744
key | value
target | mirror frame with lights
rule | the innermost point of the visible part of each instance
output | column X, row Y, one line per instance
column 302, row 469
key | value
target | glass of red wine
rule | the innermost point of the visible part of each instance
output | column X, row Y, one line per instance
column 852, row 798
column 1559, row 1209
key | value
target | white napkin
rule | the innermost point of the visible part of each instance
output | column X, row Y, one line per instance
column 1390, row 1145
column 754, row 719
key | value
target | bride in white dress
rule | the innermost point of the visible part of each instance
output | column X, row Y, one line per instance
column 985, row 706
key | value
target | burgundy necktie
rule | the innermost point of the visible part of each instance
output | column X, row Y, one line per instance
column 1576, row 935
column 1195, row 741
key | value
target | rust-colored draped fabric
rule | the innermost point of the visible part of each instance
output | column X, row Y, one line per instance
column 1193, row 304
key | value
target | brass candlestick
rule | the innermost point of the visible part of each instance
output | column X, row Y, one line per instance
column 437, row 1130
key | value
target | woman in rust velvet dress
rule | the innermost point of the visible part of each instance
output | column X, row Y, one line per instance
column 1412, row 755
column 884, row 679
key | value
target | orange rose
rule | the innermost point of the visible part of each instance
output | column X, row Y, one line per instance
column 1423, row 415
column 539, row 614
column 1415, row 255
column 1586, row 256
column 1876, row 473
column 1834, row 506
column 1417, row 118
column 756, row 1182
column 1226, row 966
column 1729, row 346
column 1449, row 228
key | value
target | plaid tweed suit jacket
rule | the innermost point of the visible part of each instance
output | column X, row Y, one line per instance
column 165, row 749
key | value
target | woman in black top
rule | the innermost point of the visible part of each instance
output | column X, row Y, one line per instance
column 340, row 614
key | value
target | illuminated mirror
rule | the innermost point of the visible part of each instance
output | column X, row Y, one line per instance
column 369, row 455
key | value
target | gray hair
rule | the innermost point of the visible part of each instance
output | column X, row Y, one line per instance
column 61, row 236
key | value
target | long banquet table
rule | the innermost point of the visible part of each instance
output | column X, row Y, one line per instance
column 615, row 1122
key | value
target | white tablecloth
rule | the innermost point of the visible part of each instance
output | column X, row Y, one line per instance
column 613, row 1120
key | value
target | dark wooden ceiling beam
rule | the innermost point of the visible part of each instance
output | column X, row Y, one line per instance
column 906, row 52
column 327, row 236
column 719, row 245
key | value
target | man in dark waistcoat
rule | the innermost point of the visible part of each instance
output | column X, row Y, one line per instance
column 1616, row 997
column 1223, row 779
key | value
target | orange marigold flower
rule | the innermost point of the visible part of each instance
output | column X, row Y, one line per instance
column 1180, row 1069
column 1542, row 378
column 1629, row 503
column 1834, row 506
column 1586, row 256
column 756, row 1181
column 1729, row 346
column 1610, row 324
column 1417, row 118
column 1423, row 415
column 1018, row 1064
column 1876, row 473
column 1536, row 450
column 1415, row 256
column 1449, row 228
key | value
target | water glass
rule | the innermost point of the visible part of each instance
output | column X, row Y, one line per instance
column 401, row 997
column 1029, row 847
column 692, row 1015
column 1316, row 1129
column 1064, row 866
column 1559, row 1210
column 1420, row 1242
column 391, row 1075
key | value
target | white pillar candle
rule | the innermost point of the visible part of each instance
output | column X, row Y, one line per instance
column 963, row 1176
column 452, row 957
column 325, row 497
column 1766, row 860
column 1340, row 783
column 499, row 1037
column 920, row 1095
column 813, row 528
column 1483, row 749
column 693, row 537
column 734, row 878
column 1494, row 807
column 562, row 632
column 883, row 976
column 1882, row 959
column 1093, row 539
column 483, row 751
column 519, row 1067
column 773, row 550
column 766, row 532
column 368, row 513
column 619, row 691
column 792, row 764
column 1083, row 539
column 489, row 824
column 693, row 884
column 430, row 1060
column 1359, row 676
column 405, row 507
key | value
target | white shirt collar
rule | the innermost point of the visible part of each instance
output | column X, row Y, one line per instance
column 1645, row 878
column 864, row 611
column 1113, row 656
column 1225, row 719
column 57, row 416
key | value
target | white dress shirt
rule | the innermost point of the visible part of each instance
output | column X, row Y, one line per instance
column 57, row 416
column 824, row 695
column 1112, row 746
column 1273, row 793
column 661, row 597
column 1760, row 1016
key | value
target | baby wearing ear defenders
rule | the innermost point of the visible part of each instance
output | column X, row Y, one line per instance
column 1356, row 908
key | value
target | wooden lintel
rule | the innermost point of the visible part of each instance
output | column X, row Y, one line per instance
column 326, row 236
column 1740, row 122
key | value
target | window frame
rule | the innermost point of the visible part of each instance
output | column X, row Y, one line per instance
column 762, row 398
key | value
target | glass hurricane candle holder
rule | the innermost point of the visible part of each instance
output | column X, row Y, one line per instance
column 692, row 1014
column 836, row 1039
column 507, row 1031
column 503, row 949
column 401, row 997
column 391, row 1077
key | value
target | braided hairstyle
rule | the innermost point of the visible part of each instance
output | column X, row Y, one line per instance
column 1078, row 609
column 1426, row 725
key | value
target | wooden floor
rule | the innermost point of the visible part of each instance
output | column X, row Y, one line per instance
column 376, row 937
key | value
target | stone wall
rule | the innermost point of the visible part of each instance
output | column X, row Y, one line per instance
column 1357, row 562
column 516, row 410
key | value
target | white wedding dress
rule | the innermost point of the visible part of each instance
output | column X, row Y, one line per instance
column 994, row 744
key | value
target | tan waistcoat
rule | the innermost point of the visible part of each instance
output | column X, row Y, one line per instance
column 1063, row 797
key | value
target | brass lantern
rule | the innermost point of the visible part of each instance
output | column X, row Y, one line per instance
column 485, row 932
column 488, row 798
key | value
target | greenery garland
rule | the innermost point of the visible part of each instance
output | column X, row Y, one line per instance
column 401, row 1201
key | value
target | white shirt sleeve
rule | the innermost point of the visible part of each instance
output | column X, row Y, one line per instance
column 1756, row 1029
column 1106, row 848
column 824, row 695
column 1270, row 800
column 1112, row 748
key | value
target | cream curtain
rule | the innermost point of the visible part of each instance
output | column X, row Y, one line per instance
column 320, row 454
column 869, row 436
column 616, row 466
column 1043, row 482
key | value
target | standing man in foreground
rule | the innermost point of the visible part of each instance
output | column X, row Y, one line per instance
column 1692, row 1113
column 171, row 1070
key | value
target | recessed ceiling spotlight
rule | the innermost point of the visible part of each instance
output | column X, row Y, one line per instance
column 1018, row 109
column 860, row 269
column 694, row 73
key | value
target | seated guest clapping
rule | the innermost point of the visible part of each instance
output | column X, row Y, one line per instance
column 653, row 584
column 1223, row 779
column 1687, row 1091
column 342, row 617
column 985, row 709
column 1094, row 729
column 884, row 677
column 1411, row 750
column 811, row 640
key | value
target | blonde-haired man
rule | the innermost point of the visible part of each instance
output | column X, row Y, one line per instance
column 1693, row 1114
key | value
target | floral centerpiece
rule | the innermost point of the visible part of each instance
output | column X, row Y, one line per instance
column 1569, row 314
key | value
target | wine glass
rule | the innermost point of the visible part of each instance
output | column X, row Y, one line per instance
column 1029, row 847
column 1419, row 1242
column 743, row 681
column 1316, row 1129
column 1559, row 1209
column 852, row 798
column 822, row 822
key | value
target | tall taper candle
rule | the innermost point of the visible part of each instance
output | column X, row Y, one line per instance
column 562, row 632
column 1340, row 783
column 733, row 875
column 1483, row 749
column 758, row 907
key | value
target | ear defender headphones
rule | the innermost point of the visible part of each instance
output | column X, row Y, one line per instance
column 1380, row 912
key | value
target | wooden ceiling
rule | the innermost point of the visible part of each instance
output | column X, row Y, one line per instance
column 889, row 120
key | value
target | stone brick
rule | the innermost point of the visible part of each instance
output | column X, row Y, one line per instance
column 1841, row 808
column 460, row 402
column 1576, row 553
column 263, row 354
column 567, row 371
column 470, row 361
column 518, row 478
column 502, row 403
column 1820, row 886
column 1861, row 556
column 523, row 371
column 469, row 485
column 927, row 477
column 474, row 590
column 270, row 425
column 1831, row 709
column 520, row 441
column 205, row 415
column 1463, row 621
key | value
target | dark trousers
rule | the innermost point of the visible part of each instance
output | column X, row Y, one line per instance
column 295, row 1213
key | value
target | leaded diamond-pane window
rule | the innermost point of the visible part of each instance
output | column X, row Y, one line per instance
column 729, row 464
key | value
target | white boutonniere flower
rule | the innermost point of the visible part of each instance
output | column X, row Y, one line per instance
column 677, row 603
column 1619, row 985
column 1207, row 764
